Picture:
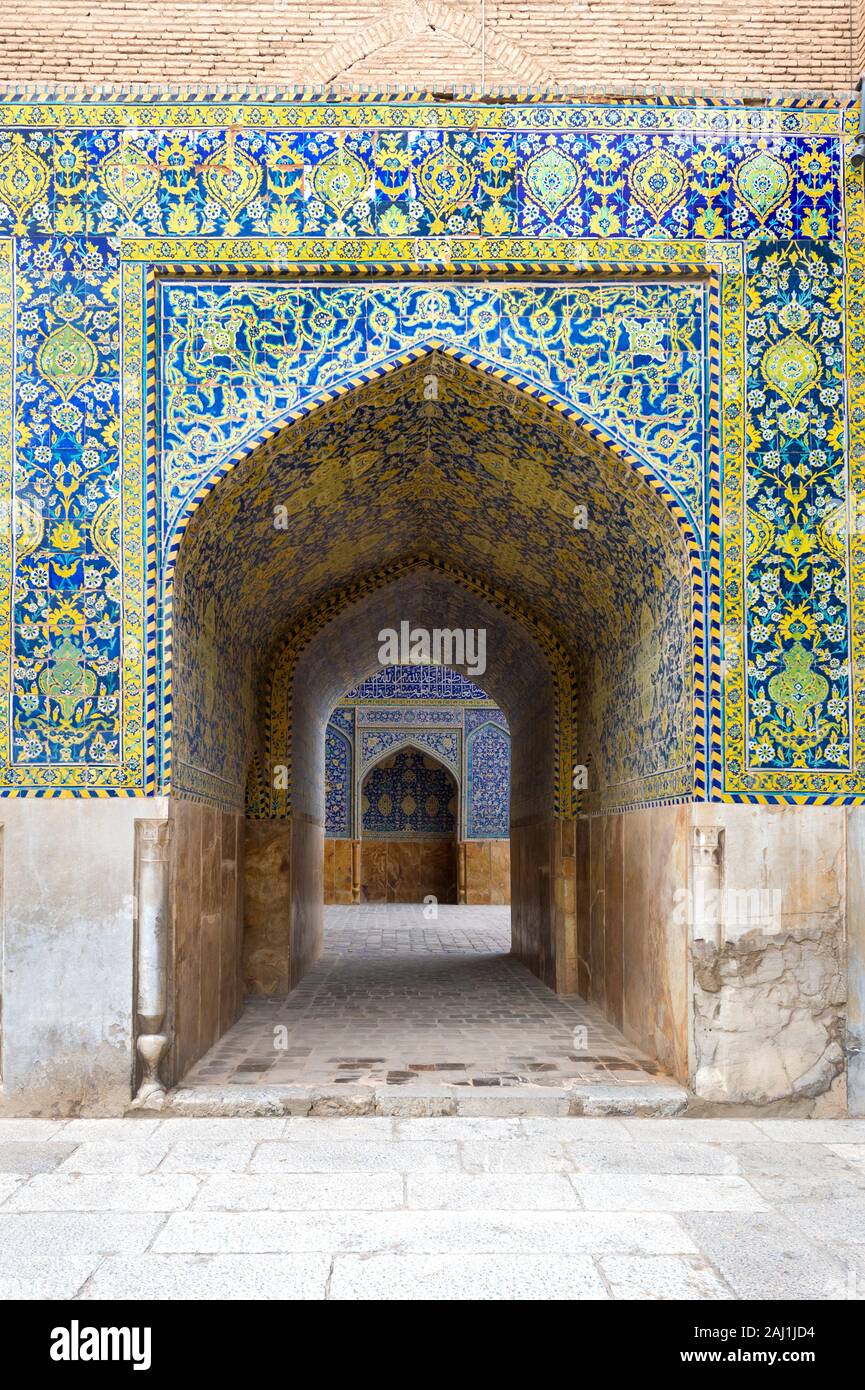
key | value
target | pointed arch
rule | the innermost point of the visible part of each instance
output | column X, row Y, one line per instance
column 406, row 743
column 561, row 411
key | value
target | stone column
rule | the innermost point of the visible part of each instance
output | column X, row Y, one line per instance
column 152, row 839
column 355, row 870
column 707, row 856
column 461, row 871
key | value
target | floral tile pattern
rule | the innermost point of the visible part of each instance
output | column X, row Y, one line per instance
column 675, row 275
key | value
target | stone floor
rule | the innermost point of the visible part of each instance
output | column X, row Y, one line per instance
column 451, row 1208
column 399, row 1001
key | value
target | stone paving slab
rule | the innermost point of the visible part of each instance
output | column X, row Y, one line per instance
column 491, row 1192
column 356, row 1156
column 455, row 1277
column 302, row 1192
column 210, row 1277
column 103, row 1192
column 38, row 1277
column 52, row 1232
column 33, row 1156
column 764, row 1256
column 459, row 1207
column 664, row 1192
column 425, row 1232
column 668, row 1277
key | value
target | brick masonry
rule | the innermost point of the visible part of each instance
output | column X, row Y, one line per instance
column 437, row 44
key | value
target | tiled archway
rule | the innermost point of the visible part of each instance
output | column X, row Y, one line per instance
column 588, row 600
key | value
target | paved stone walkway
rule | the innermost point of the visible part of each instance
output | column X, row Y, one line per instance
column 432, row 1209
column 397, row 1000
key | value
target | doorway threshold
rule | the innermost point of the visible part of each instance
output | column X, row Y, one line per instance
column 661, row 1096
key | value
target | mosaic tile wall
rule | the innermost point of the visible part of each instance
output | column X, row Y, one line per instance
column 409, row 794
column 706, row 298
column 487, row 749
column 464, row 732
column 338, row 782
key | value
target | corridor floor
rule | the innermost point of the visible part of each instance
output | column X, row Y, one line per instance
column 400, row 1001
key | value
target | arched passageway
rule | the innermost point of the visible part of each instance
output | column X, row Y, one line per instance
column 453, row 502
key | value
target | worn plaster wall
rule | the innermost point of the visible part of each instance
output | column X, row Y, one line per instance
column 736, row 984
column 769, row 963
column 67, row 953
column 855, row 1039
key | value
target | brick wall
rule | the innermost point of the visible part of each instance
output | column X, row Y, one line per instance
column 437, row 43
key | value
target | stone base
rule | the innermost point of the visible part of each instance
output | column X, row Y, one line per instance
column 664, row 1098
column 408, row 871
column 485, row 872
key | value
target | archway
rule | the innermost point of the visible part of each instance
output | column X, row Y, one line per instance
column 409, row 826
column 466, row 506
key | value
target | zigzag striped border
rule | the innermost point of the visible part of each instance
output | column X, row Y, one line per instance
column 151, row 445
column 460, row 93
column 715, row 735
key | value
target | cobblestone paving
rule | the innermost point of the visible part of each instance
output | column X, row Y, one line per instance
column 398, row 1000
column 454, row 1208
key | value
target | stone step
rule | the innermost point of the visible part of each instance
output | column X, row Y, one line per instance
column 660, row 1097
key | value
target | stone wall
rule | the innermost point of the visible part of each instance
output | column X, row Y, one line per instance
column 483, row 871
column 632, row 944
column 856, row 960
column 282, row 902
column 714, row 937
column 486, row 871
column 436, row 43
column 338, row 877
column 407, row 871
column 207, row 921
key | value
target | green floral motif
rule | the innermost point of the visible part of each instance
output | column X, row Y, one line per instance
column 762, row 182
column 67, row 359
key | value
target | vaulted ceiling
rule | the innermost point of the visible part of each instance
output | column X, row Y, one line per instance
column 439, row 459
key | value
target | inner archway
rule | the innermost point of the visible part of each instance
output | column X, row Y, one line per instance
column 451, row 501
column 409, row 823
column 417, row 791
